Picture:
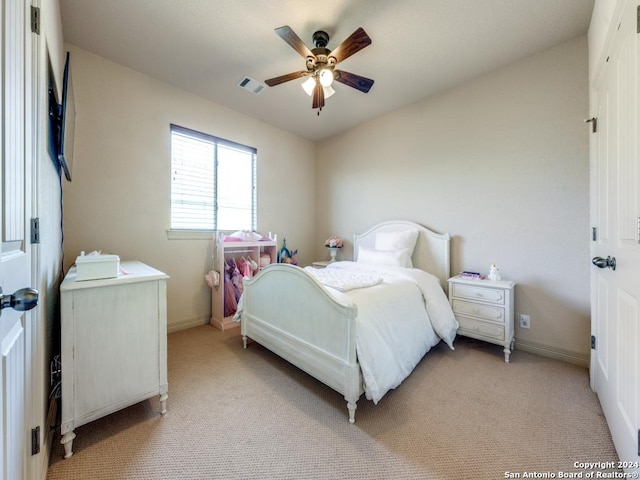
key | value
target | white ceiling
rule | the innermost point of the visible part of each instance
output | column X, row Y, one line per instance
column 419, row 47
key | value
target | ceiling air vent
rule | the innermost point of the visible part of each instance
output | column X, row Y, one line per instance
column 251, row 85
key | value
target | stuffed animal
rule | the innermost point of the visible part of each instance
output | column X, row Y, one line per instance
column 494, row 273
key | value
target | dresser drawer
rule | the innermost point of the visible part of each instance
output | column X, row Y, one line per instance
column 488, row 312
column 476, row 327
column 483, row 294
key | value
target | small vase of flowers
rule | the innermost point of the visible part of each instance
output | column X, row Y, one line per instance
column 333, row 243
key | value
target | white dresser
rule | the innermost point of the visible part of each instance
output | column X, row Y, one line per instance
column 113, row 344
column 484, row 310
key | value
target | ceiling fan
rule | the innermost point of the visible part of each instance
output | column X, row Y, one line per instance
column 321, row 63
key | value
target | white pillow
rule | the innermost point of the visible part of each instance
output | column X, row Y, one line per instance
column 398, row 241
column 395, row 258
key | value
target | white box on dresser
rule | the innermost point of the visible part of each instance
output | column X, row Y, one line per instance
column 113, row 344
column 95, row 267
column 484, row 310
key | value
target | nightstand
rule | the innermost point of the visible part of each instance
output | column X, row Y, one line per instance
column 484, row 310
column 321, row 263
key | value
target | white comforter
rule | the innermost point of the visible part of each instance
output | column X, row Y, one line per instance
column 399, row 320
column 344, row 279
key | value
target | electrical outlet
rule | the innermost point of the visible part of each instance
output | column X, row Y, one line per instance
column 525, row 321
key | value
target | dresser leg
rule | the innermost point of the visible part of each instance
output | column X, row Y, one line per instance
column 163, row 403
column 67, row 441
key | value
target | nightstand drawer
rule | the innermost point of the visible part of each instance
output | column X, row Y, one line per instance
column 480, row 328
column 488, row 312
column 483, row 294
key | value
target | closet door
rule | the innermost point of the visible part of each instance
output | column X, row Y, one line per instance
column 615, row 360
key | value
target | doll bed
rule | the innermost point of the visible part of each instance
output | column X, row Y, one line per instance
column 319, row 329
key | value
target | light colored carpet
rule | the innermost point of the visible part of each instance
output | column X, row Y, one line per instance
column 247, row 414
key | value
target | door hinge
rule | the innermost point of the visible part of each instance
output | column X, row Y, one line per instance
column 638, row 20
column 35, row 230
column 35, row 20
column 594, row 123
column 593, row 342
column 594, row 233
column 35, row 440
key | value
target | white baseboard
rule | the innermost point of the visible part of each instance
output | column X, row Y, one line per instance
column 555, row 353
column 188, row 323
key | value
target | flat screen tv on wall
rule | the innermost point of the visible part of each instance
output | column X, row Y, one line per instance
column 63, row 121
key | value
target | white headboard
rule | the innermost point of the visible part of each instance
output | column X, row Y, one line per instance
column 431, row 253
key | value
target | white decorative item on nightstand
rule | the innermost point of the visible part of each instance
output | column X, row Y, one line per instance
column 484, row 310
column 494, row 273
column 113, row 344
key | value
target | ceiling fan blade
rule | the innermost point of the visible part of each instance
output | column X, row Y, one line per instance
column 294, row 40
column 272, row 82
column 356, row 42
column 351, row 79
column 318, row 96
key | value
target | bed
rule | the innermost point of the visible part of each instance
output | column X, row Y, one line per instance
column 359, row 326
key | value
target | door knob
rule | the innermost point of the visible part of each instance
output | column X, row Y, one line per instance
column 22, row 300
column 609, row 262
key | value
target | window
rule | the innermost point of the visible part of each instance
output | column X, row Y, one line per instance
column 213, row 183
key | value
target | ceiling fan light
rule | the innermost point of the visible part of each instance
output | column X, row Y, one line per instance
column 328, row 91
column 326, row 77
column 308, row 85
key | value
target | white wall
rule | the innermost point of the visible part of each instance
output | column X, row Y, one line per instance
column 502, row 164
column 119, row 198
column 48, row 253
column 52, row 35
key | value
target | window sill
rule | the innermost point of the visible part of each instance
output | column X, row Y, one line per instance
column 190, row 234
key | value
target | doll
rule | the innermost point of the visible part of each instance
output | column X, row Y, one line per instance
column 494, row 273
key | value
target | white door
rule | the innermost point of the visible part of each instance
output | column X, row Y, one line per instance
column 15, row 255
column 615, row 361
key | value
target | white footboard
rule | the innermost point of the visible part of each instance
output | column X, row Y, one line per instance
column 287, row 311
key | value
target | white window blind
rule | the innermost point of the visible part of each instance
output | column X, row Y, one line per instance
column 213, row 183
